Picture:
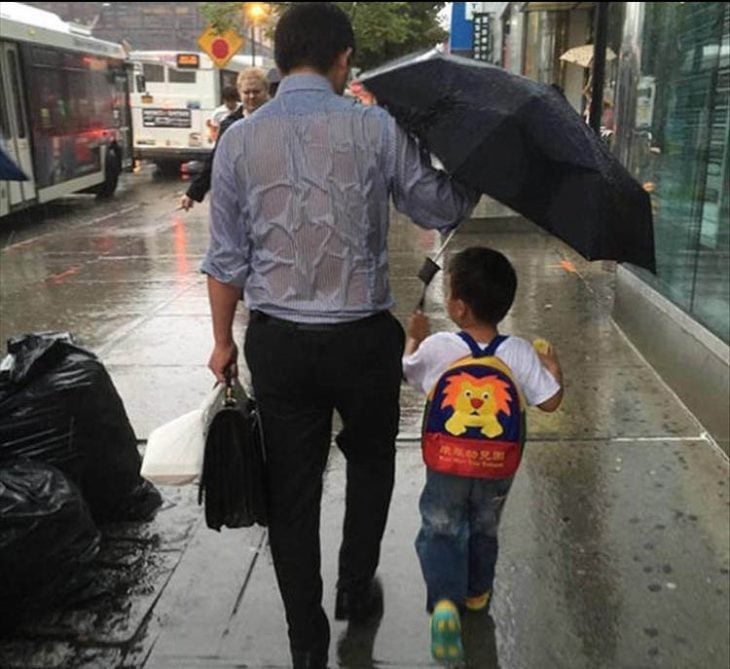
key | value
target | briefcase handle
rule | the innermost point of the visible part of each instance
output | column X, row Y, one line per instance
column 230, row 399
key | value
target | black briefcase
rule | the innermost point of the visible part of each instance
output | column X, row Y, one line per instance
column 232, row 483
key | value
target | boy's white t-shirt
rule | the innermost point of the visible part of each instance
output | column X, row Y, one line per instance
column 440, row 350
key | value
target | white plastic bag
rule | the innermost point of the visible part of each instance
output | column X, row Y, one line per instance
column 174, row 453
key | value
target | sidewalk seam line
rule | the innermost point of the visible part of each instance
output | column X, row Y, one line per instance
column 706, row 436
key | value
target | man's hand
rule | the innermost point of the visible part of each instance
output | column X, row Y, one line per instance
column 186, row 202
column 224, row 359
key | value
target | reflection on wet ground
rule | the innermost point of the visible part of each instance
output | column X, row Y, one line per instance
column 614, row 542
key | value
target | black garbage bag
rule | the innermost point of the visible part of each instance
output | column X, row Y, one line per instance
column 232, row 482
column 58, row 405
column 47, row 538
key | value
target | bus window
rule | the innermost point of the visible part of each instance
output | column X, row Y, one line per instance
column 140, row 83
column 79, row 101
column 13, row 65
column 4, row 120
column 228, row 78
column 181, row 76
column 153, row 73
column 48, row 111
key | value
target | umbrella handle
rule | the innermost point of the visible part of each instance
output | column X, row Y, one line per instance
column 440, row 252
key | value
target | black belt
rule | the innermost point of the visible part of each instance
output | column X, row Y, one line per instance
column 261, row 317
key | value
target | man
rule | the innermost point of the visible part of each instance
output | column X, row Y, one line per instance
column 299, row 221
column 253, row 87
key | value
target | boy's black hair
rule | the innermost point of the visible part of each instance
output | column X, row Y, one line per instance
column 230, row 93
column 312, row 34
column 485, row 281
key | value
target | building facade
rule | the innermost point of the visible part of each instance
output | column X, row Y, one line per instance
column 145, row 26
column 673, row 125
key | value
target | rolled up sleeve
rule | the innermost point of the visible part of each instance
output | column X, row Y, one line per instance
column 427, row 195
column 228, row 256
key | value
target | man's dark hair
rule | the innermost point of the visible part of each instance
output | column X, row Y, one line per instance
column 312, row 34
column 230, row 93
column 486, row 282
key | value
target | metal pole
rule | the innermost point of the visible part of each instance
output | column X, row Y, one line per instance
column 600, row 42
column 253, row 47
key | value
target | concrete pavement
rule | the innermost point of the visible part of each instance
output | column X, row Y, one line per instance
column 614, row 542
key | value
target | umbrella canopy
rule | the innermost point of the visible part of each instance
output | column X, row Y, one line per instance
column 522, row 143
column 9, row 171
column 583, row 55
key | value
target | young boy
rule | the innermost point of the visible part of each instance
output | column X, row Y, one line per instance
column 457, row 543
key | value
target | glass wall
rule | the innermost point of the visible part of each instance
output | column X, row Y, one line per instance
column 546, row 39
column 513, row 27
column 673, row 124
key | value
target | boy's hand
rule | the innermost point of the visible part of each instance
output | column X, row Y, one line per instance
column 418, row 329
column 550, row 362
column 548, row 358
column 418, row 326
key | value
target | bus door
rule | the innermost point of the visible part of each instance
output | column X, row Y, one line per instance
column 123, row 115
column 15, row 130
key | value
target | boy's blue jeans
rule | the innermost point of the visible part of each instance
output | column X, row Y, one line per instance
column 457, row 543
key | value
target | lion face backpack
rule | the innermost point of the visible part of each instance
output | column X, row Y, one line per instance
column 474, row 421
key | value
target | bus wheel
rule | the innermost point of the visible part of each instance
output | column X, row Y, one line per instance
column 112, row 170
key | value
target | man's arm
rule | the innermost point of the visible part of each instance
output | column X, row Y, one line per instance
column 427, row 195
column 223, row 299
column 227, row 260
column 200, row 185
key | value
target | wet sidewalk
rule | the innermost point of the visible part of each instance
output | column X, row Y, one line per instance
column 614, row 541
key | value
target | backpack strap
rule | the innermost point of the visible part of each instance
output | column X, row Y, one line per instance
column 476, row 350
column 494, row 344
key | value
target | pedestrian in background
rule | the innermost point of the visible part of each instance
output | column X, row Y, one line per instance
column 457, row 543
column 253, row 88
column 230, row 102
column 299, row 221
column 274, row 78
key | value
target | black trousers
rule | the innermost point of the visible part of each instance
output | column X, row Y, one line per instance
column 300, row 375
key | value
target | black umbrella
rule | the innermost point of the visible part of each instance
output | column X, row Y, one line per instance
column 9, row 171
column 522, row 143
column 232, row 481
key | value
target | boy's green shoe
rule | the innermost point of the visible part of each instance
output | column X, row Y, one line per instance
column 446, row 643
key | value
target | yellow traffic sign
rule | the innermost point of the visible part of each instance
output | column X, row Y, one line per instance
column 220, row 47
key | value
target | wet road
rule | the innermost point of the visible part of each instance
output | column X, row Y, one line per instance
column 615, row 547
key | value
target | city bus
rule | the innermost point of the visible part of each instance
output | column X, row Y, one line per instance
column 64, row 108
column 172, row 103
